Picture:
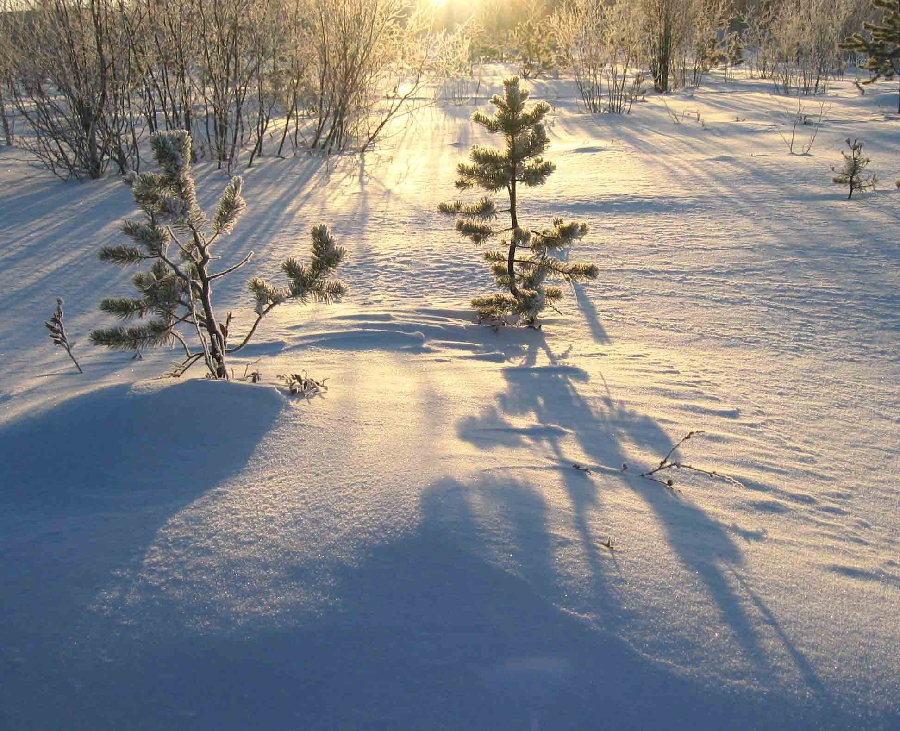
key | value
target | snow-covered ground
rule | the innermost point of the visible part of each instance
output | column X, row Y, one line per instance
column 415, row 550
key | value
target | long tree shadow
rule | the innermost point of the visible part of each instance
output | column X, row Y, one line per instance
column 591, row 316
column 439, row 630
column 550, row 396
column 430, row 631
column 457, row 624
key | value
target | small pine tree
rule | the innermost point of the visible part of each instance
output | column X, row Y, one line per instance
column 852, row 174
column 177, row 241
column 883, row 45
column 535, row 48
column 521, row 278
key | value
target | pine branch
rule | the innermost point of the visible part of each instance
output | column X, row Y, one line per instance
column 230, row 208
column 122, row 255
column 477, row 232
column 135, row 337
column 537, row 172
column 326, row 255
column 231, row 268
column 450, row 209
column 123, row 308
column 574, row 272
column 149, row 237
column 562, row 234
column 484, row 209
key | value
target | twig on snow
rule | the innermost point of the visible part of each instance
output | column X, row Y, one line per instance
column 667, row 463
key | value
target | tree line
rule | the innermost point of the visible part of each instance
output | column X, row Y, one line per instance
column 91, row 78
column 88, row 80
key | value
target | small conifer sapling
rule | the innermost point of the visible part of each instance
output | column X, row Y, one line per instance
column 527, row 257
column 535, row 48
column 58, row 332
column 177, row 241
column 853, row 173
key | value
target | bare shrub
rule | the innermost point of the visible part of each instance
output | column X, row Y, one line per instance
column 601, row 46
column 808, row 124
column 73, row 88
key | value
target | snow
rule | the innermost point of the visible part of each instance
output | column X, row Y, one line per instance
column 414, row 550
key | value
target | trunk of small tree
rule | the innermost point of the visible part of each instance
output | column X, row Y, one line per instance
column 511, row 259
column 4, row 118
column 216, row 338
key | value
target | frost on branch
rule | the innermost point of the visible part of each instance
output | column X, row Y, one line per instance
column 526, row 260
column 853, row 173
column 880, row 43
column 58, row 332
column 174, row 302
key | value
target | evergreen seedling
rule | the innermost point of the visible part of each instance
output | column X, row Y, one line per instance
column 177, row 242
column 853, row 173
column 528, row 257
column 535, row 48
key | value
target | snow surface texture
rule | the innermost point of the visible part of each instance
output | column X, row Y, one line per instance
column 414, row 550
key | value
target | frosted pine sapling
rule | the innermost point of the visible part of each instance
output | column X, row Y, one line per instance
column 177, row 241
column 882, row 45
column 533, row 43
column 528, row 257
column 852, row 174
column 58, row 332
